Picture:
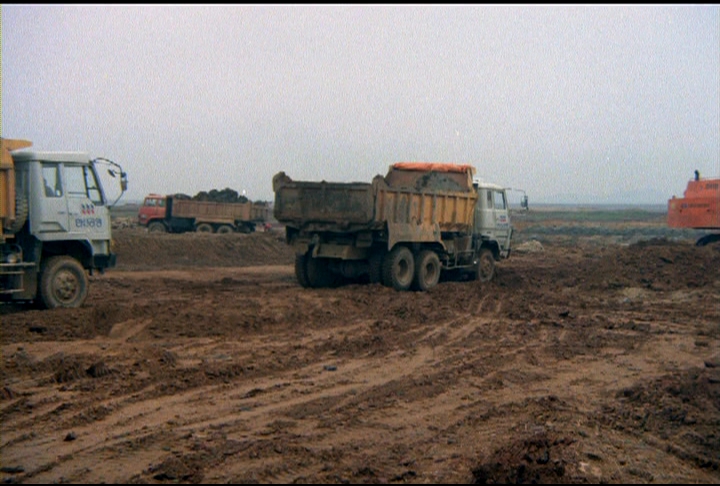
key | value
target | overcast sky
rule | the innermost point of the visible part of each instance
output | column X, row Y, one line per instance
column 570, row 103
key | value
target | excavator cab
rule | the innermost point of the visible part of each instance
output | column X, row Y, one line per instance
column 699, row 208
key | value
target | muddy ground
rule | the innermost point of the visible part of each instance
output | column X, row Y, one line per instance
column 593, row 357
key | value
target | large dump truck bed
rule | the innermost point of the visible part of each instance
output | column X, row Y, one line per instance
column 412, row 200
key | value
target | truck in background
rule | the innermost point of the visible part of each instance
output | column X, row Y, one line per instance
column 55, row 224
column 699, row 208
column 177, row 214
column 402, row 230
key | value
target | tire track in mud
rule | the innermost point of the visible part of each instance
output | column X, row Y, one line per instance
column 239, row 379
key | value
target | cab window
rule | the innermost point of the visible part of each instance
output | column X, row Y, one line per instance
column 81, row 182
column 51, row 179
column 499, row 200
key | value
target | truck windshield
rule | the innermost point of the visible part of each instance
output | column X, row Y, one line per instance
column 81, row 182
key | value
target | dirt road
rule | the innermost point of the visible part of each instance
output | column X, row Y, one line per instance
column 200, row 359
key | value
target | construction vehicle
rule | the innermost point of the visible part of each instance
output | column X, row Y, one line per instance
column 403, row 230
column 178, row 214
column 55, row 224
column 699, row 208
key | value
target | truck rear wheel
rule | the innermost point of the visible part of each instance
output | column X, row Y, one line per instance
column 399, row 268
column 375, row 269
column 318, row 273
column 204, row 228
column 225, row 229
column 427, row 270
column 485, row 267
column 63, row 282
column 301, row 270
column 156, row 227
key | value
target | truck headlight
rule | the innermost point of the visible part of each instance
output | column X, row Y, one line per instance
column 11, row 258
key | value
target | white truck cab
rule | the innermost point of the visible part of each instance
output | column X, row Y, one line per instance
column 60, row 229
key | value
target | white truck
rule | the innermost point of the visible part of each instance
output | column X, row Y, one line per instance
column 55, row 224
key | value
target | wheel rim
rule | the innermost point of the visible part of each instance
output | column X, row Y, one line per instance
column 66, row 286
column 402, row 270
column 431, row 272
column 485, row 267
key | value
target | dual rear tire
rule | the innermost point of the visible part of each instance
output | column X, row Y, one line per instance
column 314, row 272
column 402, row 270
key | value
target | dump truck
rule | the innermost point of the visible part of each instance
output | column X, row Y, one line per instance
column 55, row 224
column 402, row 230
column 178, row 214
column 699, row 208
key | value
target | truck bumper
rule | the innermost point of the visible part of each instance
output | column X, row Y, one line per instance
column 104, row 261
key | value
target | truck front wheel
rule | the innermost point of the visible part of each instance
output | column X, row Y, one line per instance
column 156, row 227
column 485, row 267
column 399, row 268
column 427, row 270
column 63, row 283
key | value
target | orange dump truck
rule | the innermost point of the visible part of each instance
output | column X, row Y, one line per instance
column 402, row 230
column 699, row 208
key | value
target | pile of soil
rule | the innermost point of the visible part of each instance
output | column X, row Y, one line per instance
column 139, row 250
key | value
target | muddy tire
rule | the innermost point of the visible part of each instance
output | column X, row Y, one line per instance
column 399, row 268
column 63, row 283
column 485, row 266
column 708, row 240
column 204, row 228
column 225, row 229
column 318, row 273
column 156, row 227
column 375, row 261
column 427, row 270
column 301, row 270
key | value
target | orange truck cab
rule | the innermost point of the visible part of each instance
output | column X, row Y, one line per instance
column 152, row 209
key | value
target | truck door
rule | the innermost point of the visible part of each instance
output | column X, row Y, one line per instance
column 89, row 217
column 502, row 218
column 153, row 208
column 491, row 216
column 51, row 214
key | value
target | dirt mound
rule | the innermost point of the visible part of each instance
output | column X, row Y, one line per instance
column 139, row 250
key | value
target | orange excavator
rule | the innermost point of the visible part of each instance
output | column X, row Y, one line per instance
column 699, row 208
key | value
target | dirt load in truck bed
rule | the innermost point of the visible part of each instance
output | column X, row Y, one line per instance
column 593, row 357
